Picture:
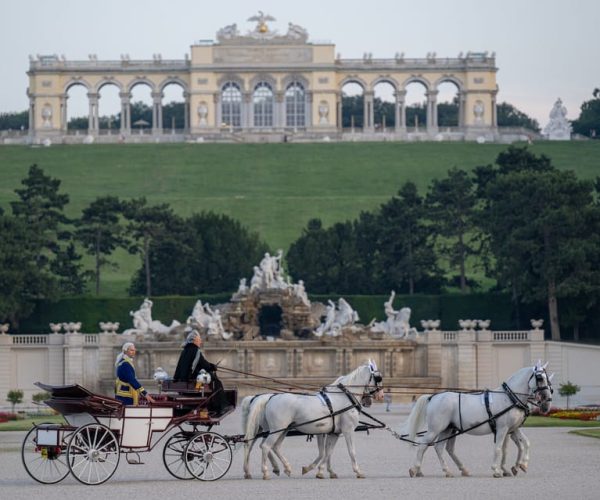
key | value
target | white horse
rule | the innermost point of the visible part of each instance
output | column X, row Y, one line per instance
column 448, row 412
column 310, row 414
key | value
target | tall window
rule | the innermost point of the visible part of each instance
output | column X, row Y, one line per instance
column 231, row 105
column 263, row 105
column 295, row 105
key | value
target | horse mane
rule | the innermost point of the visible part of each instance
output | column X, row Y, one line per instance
column 350, row 378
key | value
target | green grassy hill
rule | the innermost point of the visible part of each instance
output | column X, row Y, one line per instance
column 273, row 189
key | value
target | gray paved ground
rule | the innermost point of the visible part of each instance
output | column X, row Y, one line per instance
column 562, row 466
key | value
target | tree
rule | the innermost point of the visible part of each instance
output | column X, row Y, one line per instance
column 567, row 390
column 416, row 115
column 588, row 122
column 14, row 121
column 145, row 224
column 352, row 111
column 14, row 397
column 41, row 207
column 451, row 209
column 68, row 271
column 206, row 253
column 509, row 116
column 405, row 250
column 543, row 226
column 100, row 232
column 23, row 281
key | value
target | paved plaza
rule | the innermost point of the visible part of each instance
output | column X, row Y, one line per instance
column 562, row 465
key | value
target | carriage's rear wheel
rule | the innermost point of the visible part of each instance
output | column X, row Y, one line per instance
column 208, row 456
column 174, row 455
column 93, row 454
column 45, row 464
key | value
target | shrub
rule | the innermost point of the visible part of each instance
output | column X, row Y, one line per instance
column 6, row 416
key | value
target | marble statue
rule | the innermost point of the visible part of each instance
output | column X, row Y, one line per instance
column 300, row 292
column 143, row 324
column 228, row 32
column 269, row 274
column 397, row 323
column 207, row 320
column 559, row 128
column 296, row 32
column 337, row 318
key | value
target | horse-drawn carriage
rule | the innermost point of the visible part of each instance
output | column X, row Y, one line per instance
column 100, row 429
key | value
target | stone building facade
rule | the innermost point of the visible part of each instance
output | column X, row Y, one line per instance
column 264, row 86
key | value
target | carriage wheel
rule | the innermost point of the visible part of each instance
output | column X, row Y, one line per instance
column 45, row 464
column 93, row 454
column 174, row 457
column 208, row 456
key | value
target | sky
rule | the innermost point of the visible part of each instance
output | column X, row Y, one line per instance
column 545, row 49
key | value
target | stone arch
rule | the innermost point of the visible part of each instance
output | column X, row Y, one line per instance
column 353, row 79
column 449, row 105
column 351, row 111
column 233, row 78
column 141, row 81
column 416, row 79
column 385, row 79
column 80, row 105
column 417, row 112
column 268, row 79
column 294, row 77
column 384, row 109
column 173, row 80
column 76, row 81
column 108, row 81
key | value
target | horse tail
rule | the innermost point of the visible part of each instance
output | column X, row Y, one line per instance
column 252, row 419
column 246, row 403
column 416, row 419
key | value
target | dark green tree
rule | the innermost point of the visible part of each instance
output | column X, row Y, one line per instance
column 173, row 115
column 14, row 397
column 567, row 390
column 145, row 224
column 509, row 116
column 100, row 231
column 588, row 122
column 352, row 111
column 41, row 207
column 544, row 229
column 416, row 115
column 206, row 253
column 69, row 272
column 14, row 121
column 406, row 256
column 451, row 204
column 23, row 281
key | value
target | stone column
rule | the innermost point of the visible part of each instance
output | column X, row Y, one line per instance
column 279, row 110
column 93, row 113
column 462, row 107
column 494, row 110
column 432, row 111
column 308, row 110
column 31, row 116
column 125, row 112
column 338, row 112
column 63, row 112
column 218, row 118
column 368, row 112
column 157, row 125
column 400, row 115
column 186, row 112
column 247, row 111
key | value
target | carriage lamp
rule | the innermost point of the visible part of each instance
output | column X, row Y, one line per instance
column 202, row 379
column 160, row 376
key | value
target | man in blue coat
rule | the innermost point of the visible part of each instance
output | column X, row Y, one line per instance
column 127, row 387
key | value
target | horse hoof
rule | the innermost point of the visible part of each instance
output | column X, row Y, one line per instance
column 523, row 467
column 333, row 475
column 449, row 474
column 506, row 474
column 247, row 476
column 266, row 478
column 497, row 474
column 514, row 470
column 419, row 474
column 305, row 470
column 360, row 476
column 288, row 473
column 411, row 472
column 276, row 472
column 320, row 476
column 465, row 473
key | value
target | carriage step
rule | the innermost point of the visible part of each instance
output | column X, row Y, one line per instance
column 135, row 460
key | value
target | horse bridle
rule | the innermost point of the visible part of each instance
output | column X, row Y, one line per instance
column 541, row 376
column 377, row 379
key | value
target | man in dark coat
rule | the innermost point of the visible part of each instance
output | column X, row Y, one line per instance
column 191, row 361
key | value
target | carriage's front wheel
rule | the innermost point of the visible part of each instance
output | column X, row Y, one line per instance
column 208, row 456
column 174, row 455
column 93, row 454
column 46, row 464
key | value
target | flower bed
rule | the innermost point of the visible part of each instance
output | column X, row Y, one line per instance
column 575, row 414
column 6, row 416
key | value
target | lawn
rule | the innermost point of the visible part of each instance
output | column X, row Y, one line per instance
column 595, row 433
column 26, row 424
column 536, row 421
column 273, row 189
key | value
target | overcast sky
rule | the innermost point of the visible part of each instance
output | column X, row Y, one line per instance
column 544, row 48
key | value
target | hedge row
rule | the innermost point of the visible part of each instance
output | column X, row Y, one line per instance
column 448, row 308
